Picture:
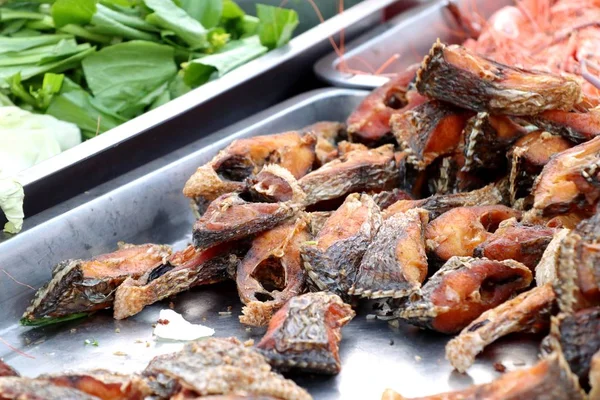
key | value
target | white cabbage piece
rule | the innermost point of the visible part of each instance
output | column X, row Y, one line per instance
column 11, row 203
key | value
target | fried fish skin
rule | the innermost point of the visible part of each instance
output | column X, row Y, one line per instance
column 462, row 290
column 271, row 273
column 7, row 370
column 79, row 286
column 16, row 388
column 305, row 334
column 595, row 377
column 447, row 175
column 460, row 230
column 528, row 312
column 429, row 131
column 356, row 171
column 516, row 241
column 546, row 269
column 230, row 218
column 333, row 259
column 570, row 181
column 328, row 134
column 460, row 77
column 576, row 126
column 549, row 379
column 527, row 159
column 388, row 197
column 185, row 269
column 578, row 267
column 227, row 171
column 275, row 184
column 102, row 384
column 395, row 263
column 217, row 366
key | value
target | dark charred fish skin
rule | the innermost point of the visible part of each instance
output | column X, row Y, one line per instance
column 271, row 273
column 461, row 291
column 387, row 198
column 575, row 126
column 528, row 312
column 334, row 257
column 356, row 171
column 429, row 131
column 448, row 176
column 513, row 240
column 305, row 334
column 576, row 337
column 15, row 388
column 549, row 379
column 460, row 77
column 570, row 181
column 226, row 172
column 7, row 370
column 527, row 159
column 79, row 286
column 219, row 366
column 395, row 263
column 578, row 267
column 183, row 271
column 231, row 218
column 103, row 384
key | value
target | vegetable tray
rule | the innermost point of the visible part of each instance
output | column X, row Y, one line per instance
column 147, row 205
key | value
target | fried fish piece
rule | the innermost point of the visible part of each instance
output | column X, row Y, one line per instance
column 462, row 290
column 576, row 126
column 570, row 181
column 460, row 230
column 102, row 384
column 227, row 171
column 465, row 79
column 275, row 184
column 487, row 138
column 395, row 263
column 447, row 175
column 82, row 286
column 272, row 273
column 328, row 134
column 527, row 159
column 356, row 171
column 370, row 122
column 15, row 388
column 316, row 221
column 576, row 337
column 516, row 241
column 334, row 257
column 545, row 270
column 7, row 370
column 489, row 195
column 595, row 377
column 305, row 334
column 388, row 197
column 528, row 312
column 183, row 270
column 429, row 131
column 549, row 379
column 578, row 267
column 230, row 218
column 219, row 366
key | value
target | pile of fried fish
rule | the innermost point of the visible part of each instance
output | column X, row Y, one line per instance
column 462, row 197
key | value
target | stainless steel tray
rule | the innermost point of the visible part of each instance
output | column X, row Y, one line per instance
column 146, row 205
column 409, row 35
column 253, row 87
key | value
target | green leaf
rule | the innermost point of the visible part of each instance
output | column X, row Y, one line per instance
column 105, row 25
column 247, row 26
column 6, row 14
column 49, row 320
column 163, row 98
column 276, row 25
column 131, row 21
column 63, row 49
column 18, row 90
column 11, row 204
column 207, row 12
column 170, row 17
column 77, row 106
column 150, row 64
column 10, row 44
column 231, row 10
column 78, row 12
column 83, row 33
column 233, row 55
column 177, row 87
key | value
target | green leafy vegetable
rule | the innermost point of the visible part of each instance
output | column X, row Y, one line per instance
column 38, row 98
column 50, row 321
column 14, row 44
column 11, row 203
column 234, row 54
column 231, row 10
column 276, row 25
column 170, row 17
column 65, row 12
column 152, row 64
column 207, row 12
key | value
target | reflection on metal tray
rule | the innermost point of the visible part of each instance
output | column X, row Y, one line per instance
column 409, row 36
column 151, row 208
column 251, row 88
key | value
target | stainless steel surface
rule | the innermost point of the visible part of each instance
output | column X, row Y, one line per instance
column 408, row 36
column 243, row 92
column 146, row 205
